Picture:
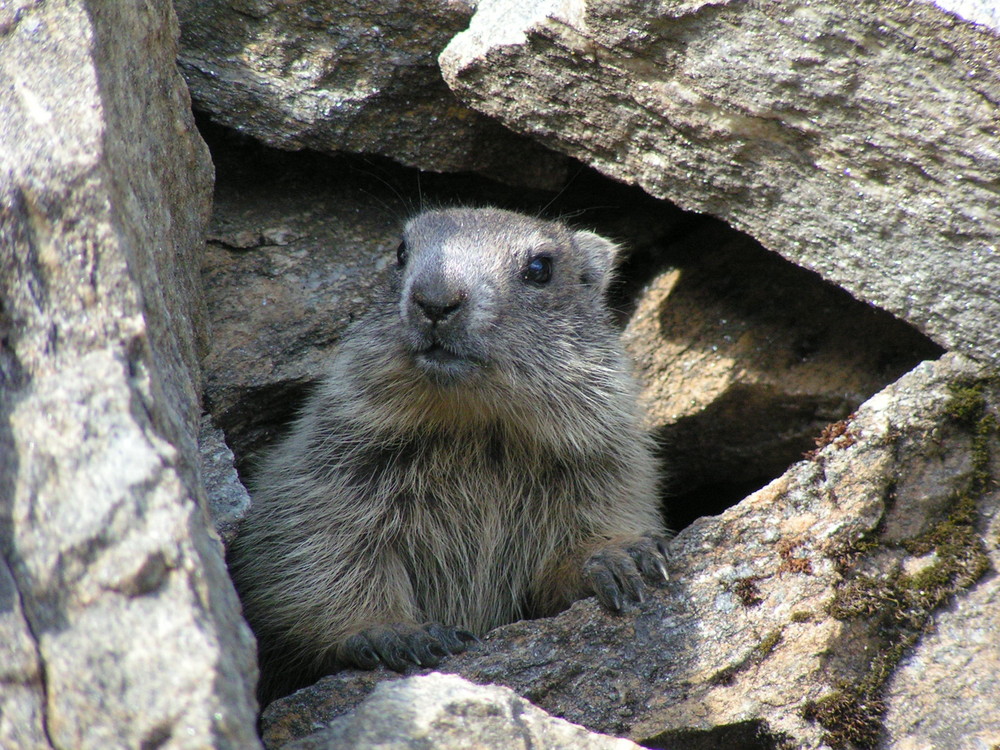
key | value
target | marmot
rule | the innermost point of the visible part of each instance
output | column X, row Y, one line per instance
column 472, row 457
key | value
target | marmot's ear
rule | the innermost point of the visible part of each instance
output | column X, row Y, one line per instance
column 599, row 257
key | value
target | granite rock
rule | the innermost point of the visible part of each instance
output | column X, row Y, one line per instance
column 857, row 139
column 346, row 76
column 121, row 628
column 449, row 713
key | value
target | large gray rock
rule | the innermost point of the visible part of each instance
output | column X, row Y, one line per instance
column 348, row 76
column 856, row 139
column 22, row 691
column 120, row 627
column 806, row 616
column 448, row 713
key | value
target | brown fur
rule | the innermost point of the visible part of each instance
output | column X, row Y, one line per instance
column 469, row 492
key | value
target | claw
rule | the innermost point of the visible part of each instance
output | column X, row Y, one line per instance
column 402, row 645
column 467, row 637
column 661, row 545
column 452, row 640
column 615, row 573
column 358, row 652
column 664, row 573
column 394, row 654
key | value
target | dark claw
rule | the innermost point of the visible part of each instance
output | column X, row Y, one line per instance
column 399, row 646
column 615, row 573
column 453, row 640
column 467, row 638
column 423, row 646
column 445, row 637
column 661, row 545
column 634, row 588
column 392, row 650
column 603, row 583
column 649, row 554
column 357, row 652
column 652, row 566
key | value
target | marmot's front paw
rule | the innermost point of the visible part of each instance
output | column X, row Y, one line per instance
column 401, row 645
column 614, row 573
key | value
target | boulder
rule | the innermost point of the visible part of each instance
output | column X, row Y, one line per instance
column 858, row 140
column 806, row 616
column 119, row 625
column 449, row 713
column 348, row 76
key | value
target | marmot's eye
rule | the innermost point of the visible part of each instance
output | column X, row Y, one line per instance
column 538, row 270
column 401, row 255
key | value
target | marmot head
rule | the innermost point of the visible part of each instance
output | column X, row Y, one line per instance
column 494, row 318
column 486, row 289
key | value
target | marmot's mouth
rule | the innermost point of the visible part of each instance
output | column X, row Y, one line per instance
column 439, row 362
column 437, row 353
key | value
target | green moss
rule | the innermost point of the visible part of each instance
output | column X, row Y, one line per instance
column 899, row 607
column 967, row 406
column 853, row 724
column 766, row 646
column 801, row 616
column 966, row 403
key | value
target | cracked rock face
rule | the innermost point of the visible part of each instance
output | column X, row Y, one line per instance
column 856, row 139
column 118, row 624
column 347, row 76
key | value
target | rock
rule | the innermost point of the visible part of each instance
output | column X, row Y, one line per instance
column 796, row 618
column 228, row 499
column 939, row 696
column 277, row 308
column 346, row 76
column 22, row 691
column 745, row 358
column 945, row 693
column 984, row 12
column 448, row 712
column 857, row 140
column 120, row 626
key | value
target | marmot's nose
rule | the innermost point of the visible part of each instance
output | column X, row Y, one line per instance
column 437, row 307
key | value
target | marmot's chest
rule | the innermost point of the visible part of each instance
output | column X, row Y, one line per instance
column 474, row 559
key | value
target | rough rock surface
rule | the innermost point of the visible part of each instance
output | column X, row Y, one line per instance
column 449, row 713
column 290, row 259
column 228, row 499
column 745, row 358
column 787, row 617
column 348, row 76
column 858, row 139
column 119, row 625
